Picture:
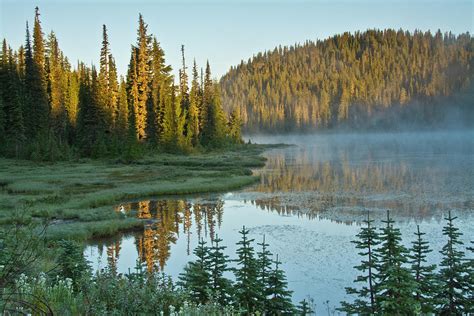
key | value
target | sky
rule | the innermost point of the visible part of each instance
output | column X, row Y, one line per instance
column 223, row 32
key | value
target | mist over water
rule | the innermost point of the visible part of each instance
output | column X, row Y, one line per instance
column 309, row 203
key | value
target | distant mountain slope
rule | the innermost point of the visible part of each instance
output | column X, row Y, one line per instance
column 364, row 79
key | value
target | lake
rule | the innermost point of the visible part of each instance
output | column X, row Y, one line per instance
column 309, row 204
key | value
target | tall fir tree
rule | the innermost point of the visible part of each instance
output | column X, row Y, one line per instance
column 195, row 279
column 207, row 96
column 279, row 301
column 395, row 284
column 423, row 273
column 215, row 126
column 36, row 108
column 142, row 78
column 195, row 104
column 11, row 95
column 220, row 286
column 90, row 118
column 248, row 290
column 122, row 112
column 235, row 124
column 365, row 303
column 264, row 266
column 453, row 295
column 132, row 92
column 160, row 86
column 54, row 71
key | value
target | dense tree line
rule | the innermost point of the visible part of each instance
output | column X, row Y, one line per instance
column 50, row 110
column 364, row 79
column 397, row 280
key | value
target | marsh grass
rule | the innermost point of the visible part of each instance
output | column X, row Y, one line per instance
column 78, row 196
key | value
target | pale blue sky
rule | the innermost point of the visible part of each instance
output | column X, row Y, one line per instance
column 224, row 32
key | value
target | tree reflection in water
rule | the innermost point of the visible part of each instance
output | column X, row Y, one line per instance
column 165, row 221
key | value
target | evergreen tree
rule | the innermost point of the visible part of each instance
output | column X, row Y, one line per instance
column 122, row 112
column 221, row 287
column 90, row 118
column 196, row 276
column 279, row 302
column 248, row 290
column 113, row 93
column 173, row 122
column 195, row 103
column 215, row 126
column 452, row 297
column 207, row 96
column 423, row 273
column 395, row 284
column 304, row 308
column 160, row 85
column 365, row 303
column 58, row 116
column 235, row 123
column 12, row 102
column 264, row 265
column 38, row 47
column 142, row 78
column 36, row 108
column 132, row 93
column 184, row 94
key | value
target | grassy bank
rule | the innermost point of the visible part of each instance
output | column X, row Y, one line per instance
column 77, row 197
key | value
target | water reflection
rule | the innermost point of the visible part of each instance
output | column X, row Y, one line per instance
column 165, row 221
column 418, row 175
column 330, row 180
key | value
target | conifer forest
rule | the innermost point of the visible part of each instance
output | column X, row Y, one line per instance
column 325, row 166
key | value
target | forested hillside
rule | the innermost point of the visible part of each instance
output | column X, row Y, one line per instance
column 51, row 109
column 366, row 79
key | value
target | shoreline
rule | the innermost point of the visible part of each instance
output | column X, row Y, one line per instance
column 78, row 197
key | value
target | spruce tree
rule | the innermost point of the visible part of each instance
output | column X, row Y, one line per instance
column 184, row 94
column 365, row 302
column 304, row 308
column 264, row 265
column 453, row 294
column 279, row 301
column 132, row 93
column 195, row 279
column 235, row 123
column 58, row 116
column 121, row 125
column 36, row 108
column 207, row 95
column 195, row 102
column 423, row 273
column 215, row 125
column 12, row 102
column 160, row 85
column 142, row 78
column 395, row 284
column 220, row 286
column 248, row 290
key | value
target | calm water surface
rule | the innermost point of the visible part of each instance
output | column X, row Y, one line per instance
column 308, row 203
